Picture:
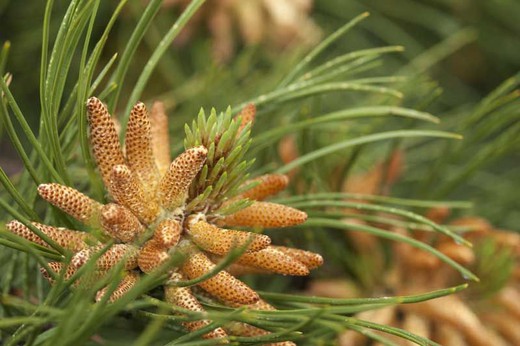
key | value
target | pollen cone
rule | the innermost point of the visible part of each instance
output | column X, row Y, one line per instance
column 173, row 188
column 274, row 261
column 115, row 254
column 223, row 286
column 120, row 223
column 266, row 214
column 221, row 241
column 310, row 259
column 182, row 297
column 104, row 139
column 126, row 284
column 160, row 137
column 139, row 150
column 128, row 191
column 151, row 256
column 268, row 185
column 71, row 201
column 72, row 240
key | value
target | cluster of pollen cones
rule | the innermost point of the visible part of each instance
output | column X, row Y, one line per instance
column 462, row 319
column 147, row 221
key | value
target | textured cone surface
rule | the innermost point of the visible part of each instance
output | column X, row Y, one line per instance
column 160, row 137
column 72, row 240
column 167, row 233
column 115, row 254
column 151, row 256
column 104, row 139
column 173, row 188
column 138, row 145
column 57, row 268
column 128, row 191
column 265, row 214
column 222, row 286
column 87, row 280
column 182, row 297
column 244, row 329
column 259, row 305
column 120, row 223
column 247, row 114
column 71, row 201
column 310, row 259
column 221, row 241
column 262, row 305
column 274, row 261
column 269, row 184
column 126, row 284
column 236, row 269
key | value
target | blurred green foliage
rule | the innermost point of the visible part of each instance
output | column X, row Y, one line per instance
column 459, row 63
column 456, row 52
